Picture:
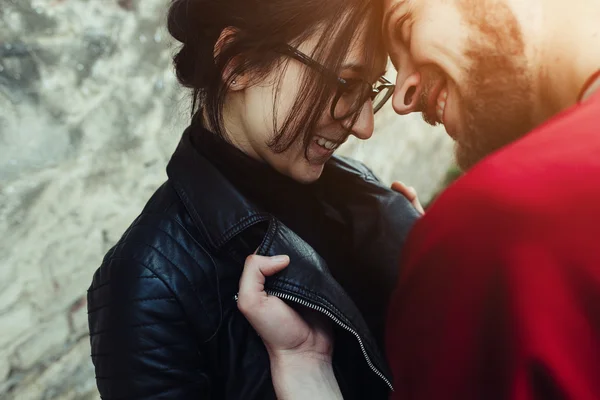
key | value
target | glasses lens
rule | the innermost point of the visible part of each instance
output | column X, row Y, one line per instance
column 351, row 100
column 381, row 98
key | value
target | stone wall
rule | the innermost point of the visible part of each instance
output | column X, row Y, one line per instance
column 89, row 115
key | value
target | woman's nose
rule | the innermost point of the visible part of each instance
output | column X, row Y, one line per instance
column 406, row 94
column 365, row 123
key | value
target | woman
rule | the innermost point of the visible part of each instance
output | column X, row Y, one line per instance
column 277, row 88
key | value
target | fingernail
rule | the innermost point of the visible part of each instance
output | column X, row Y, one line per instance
column 279, row 259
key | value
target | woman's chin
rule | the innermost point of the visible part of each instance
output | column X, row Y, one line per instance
column 303, row 167
column 307, row 172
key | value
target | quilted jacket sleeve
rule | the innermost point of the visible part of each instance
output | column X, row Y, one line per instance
column 142, row 345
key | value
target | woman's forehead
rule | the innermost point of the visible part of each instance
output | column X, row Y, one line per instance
column 359, row 57
column 362, row 57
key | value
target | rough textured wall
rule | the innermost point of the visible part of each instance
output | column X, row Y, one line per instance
column 89, row 114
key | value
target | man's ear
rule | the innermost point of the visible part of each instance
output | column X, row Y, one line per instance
column 241, row 81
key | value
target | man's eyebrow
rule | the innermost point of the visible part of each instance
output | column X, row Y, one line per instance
column 386, row 22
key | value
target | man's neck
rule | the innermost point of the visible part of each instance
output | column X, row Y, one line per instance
column 569, row 52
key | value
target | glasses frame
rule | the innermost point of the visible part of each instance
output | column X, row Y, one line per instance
column 343, row 86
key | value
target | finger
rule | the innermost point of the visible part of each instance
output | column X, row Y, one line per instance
column 418, row 206
column 415, row 202
column 252, row 282
column 410, row 193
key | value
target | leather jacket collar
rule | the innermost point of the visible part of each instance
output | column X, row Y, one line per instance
column 307, row 281
column 220, row 222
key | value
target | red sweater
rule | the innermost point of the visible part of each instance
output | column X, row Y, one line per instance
column 499, row 294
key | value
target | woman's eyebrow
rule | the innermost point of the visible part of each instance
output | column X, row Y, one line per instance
column 354, row 67
column 362, row 70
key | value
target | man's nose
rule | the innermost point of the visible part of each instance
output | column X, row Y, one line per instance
column 407, row 92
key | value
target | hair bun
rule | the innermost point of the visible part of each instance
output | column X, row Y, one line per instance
column 194, row 63
column 185, row 66
column 180, row 14
column 187, row 20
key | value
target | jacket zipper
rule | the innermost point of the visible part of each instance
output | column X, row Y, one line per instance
column 322, row 310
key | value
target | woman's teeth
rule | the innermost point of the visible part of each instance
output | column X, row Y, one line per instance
column 328, row 144
column 441, row 105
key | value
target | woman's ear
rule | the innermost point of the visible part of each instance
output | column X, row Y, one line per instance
column 238, row 82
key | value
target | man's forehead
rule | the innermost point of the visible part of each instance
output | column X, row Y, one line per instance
column 391, row 6
column 388, row 4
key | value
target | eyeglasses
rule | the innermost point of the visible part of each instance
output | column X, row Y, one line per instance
column 351, row 94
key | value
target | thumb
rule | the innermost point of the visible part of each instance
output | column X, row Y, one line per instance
column 268, row 265
column 256, row 269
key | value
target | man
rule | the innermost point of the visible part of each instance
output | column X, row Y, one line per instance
column 499, row 294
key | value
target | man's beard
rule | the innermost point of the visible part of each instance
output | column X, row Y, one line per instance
column 496, row 102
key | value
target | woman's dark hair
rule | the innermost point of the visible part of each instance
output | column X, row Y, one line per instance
column 258, row 29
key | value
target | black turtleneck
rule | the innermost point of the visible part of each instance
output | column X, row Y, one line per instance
column 293, row 203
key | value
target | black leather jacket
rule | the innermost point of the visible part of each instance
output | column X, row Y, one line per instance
column 162, row 313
